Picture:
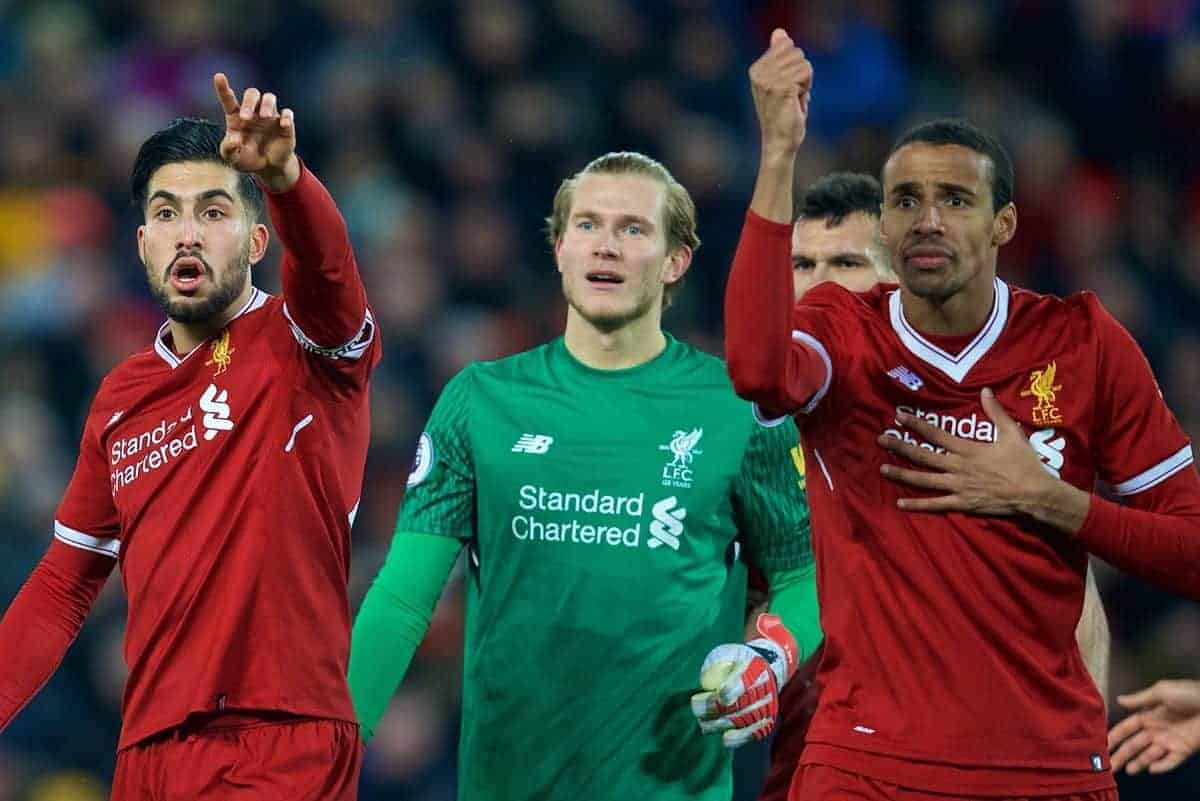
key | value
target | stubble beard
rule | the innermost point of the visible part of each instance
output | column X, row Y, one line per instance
column 611, row 321
column 190, row 311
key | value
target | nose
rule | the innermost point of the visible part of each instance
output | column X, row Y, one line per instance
column 821, row 273
column 189, row 234
column 607, row 246
column 929, row 221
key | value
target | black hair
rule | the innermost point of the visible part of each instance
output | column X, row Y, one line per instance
column 838, row 195
column 188, row 139
column 960, row 132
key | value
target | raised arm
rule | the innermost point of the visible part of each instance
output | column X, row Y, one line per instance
column 764, row 364
column 324, row 294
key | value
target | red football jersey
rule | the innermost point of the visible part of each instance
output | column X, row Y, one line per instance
column 225, row 481
column 950, row 661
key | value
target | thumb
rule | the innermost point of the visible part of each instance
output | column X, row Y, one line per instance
column 779, row 37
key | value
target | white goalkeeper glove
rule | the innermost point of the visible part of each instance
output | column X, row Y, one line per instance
column 742, row 682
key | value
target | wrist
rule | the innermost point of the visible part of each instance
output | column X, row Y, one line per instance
column 280, row 179
column 778, row 155
column 1056, row 503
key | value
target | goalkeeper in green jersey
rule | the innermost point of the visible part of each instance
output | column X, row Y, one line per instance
column 602, row 484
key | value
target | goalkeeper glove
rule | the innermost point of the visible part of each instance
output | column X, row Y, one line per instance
column 742, row 682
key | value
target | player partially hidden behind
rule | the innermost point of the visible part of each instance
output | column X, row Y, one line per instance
column 835, row 238
column 221, row 469
column 955, row 427
column 599, row 483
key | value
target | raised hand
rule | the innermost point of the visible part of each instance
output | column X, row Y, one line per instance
column 781, row 82
column 259, row 137
column 1162, row 731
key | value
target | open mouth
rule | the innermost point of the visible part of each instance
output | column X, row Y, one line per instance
column 187, row 273
column 604, row 277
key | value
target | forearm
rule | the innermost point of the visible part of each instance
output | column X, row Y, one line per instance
column 773, row 188
column 43, row 620
column 1160, row 548
column 794, row 599
column 320, row 279
column 393, row 620
column 764, row 364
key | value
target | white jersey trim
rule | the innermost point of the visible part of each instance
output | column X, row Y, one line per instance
column 1157, row 474
column 257, row 300
column 815, row 344
column 956, row 367
column 763, row 420
column 352, row 349
column 354, row 512
column 77, row 539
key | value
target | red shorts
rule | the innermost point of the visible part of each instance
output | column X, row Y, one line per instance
column 290, row 759
column 824, row 783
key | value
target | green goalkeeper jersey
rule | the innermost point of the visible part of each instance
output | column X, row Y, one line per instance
column 603, row 510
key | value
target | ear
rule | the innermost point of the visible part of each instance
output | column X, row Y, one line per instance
column 1004, row 226
column 677, row 264
column 141, row 243
column 260, row 237
column 557, row 253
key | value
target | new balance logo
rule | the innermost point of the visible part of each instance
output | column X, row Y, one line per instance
column 907, row 378
column 533, row 443
column 117, row 415
column 667, row 524
column 216, row 411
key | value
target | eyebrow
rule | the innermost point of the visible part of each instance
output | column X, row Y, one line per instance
column 913, row 187
column 625, row 218
column 208, row 194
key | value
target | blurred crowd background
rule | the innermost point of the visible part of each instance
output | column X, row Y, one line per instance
column 442, row 128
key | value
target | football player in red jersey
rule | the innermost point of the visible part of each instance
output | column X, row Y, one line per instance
column 221, row 469
column 835, row 238
column 956, row 427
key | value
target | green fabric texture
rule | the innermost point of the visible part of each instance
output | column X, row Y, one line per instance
column 794, row 599
column 603, row 508
column 393, row 619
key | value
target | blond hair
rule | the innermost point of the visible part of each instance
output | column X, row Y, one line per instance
column 680, row 211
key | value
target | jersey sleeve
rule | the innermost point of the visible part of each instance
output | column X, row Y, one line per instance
column 324, row 299
column 770, row 508
column 1139, row 443
column 782, row 373
column 440, row 498
column 1144, row 454
column 87, row 518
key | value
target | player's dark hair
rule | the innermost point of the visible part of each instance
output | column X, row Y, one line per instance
column 839, row 195
column 960, row 132
column 188, row 139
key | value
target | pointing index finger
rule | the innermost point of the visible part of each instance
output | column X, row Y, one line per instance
column 225, row 93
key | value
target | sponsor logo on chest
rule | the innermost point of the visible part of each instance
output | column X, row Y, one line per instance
column 170, row 439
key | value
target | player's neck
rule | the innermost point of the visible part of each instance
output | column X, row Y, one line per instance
column 962, row 313
column 186, row 336
column 635, row 343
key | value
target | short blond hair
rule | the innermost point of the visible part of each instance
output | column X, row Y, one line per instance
column 680, row 211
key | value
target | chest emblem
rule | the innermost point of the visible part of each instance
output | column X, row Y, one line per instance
column 683, row 449
column 222, row 354
column 1042, row 387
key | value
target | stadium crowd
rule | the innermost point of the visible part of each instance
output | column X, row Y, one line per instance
column 464, row 116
